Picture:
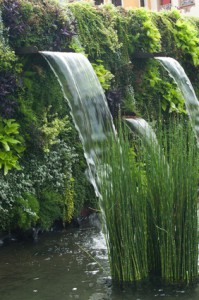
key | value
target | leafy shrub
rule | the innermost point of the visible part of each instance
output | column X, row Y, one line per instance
column 145, row 36
column 46, row 181
column 95, row 35
column 25, row 212
column 9, row 68
column 52, row 127
column 39, row 23
column 186, row 38
column 159, row 90
column 11, row 145
column 51, row 208
column 103, row 75
column 13, row 186
column 69, row 205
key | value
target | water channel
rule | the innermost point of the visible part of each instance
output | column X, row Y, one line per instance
column 71, row 264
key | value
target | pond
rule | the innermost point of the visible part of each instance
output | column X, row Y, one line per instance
column 71, row 264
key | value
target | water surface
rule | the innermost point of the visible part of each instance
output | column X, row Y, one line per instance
column 68, row 265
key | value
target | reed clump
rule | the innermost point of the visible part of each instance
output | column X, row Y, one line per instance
column 124, row 207
column 149, row 202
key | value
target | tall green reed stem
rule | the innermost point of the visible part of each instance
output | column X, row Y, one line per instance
column 124, row 206
column 150, row 206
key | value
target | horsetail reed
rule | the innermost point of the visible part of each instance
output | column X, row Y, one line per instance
column 124, row 206
column 150, row 206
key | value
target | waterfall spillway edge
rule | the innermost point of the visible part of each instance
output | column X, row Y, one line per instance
column 148, row 136
column 177, row 72
column 87, row 102
column 143, row 129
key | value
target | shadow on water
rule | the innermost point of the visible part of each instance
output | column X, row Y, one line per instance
column 71, row 264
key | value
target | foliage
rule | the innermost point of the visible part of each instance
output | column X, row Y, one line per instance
column 53, row 169
column 50, row 208
column 103, row 75
column 7, row 57
column 155, row 87
column 52, row 127
column 8, row 104
column 25, row 213
column 186, row 38
column 147, row 38
column 11, row 145
column 95, row 35
column 150, row 207
column 165, row 27
column 39, row 23
column 110, row 37
column 13, row 186
column 123, row 204
column 69, row 201
column 9, row 68
column 172, row 204
column 36, row 105
column 47, row 180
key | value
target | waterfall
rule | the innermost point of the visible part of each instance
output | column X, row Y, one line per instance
column 132, row 231
column 87, row 102
column 148, row 136
column 143, row 129
column 178, row 74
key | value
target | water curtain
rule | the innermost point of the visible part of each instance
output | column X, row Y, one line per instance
column 177, row 72
column 138, row 240
column 87, row 102
column 143, row 129
column 104, row 155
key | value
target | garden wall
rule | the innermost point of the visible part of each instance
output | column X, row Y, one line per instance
column 42, row 167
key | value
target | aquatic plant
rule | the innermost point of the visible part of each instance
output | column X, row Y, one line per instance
column 149, row 201
column 172, row 205
column 124, row 205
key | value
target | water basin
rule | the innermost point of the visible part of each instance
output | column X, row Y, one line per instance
column 72, row 264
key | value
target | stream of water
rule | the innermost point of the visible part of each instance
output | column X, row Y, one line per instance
column 71, row 264
column 177, row 72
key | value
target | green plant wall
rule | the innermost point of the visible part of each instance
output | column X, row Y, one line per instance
column 52, row 165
